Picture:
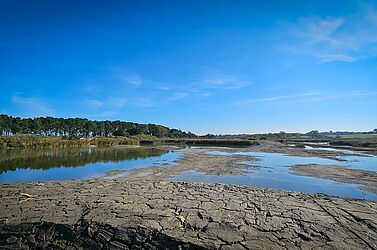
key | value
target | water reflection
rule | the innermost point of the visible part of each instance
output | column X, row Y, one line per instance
column 76, row 163
column 73, row 157
column 272, row 171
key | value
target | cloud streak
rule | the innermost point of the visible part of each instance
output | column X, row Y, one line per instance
column 144, row 102
column 273, row 99
column 133, row 79
column 115, row 101
column 336, row 57
column 205, row 85
column 223, row 81
column 115, row 89
column 178, row 96
column 344, row 38
column 104, row 114
column 107, row 101
column 92, row 103
column 29, row 106
column 306, row 96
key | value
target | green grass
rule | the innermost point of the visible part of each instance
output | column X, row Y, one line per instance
column 33, row 141
column 356, row 136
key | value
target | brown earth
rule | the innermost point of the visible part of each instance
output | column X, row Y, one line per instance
column 125, row 214
column 145, row 211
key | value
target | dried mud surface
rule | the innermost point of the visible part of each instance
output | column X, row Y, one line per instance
column 126, row 214
column 146, row 211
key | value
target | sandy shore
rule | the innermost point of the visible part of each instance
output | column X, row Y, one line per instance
column 122, row 214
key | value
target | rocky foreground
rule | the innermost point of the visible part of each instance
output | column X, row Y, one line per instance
column 123, row 214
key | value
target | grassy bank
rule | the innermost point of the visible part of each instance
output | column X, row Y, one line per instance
column 363, row 142
column 356, row 136
column 32, row 141
column 356, row 142
column 210, row 142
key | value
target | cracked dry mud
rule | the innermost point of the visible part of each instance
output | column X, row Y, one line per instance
column 145, row 214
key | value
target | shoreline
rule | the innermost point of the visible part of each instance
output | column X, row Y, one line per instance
column 233, row 165
column 367, row 179
column 144, row 208
column 230, row 164
column 118, row 213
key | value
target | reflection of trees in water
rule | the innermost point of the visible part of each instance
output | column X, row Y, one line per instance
column 73, row 157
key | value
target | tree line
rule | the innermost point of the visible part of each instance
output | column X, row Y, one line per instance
column 82, row 127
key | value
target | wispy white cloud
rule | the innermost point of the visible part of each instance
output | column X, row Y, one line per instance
column 344, row 38
column 108, row 80
column 114, row 88
column 275, row 98
column 204, row 85
column 105, row 102
column 312, row 30
column 164, row 87
column 178, row 96
column 144, row 102
column 30, row 106
column 127, row 78
column 357, row 93
column 216, row 80
column 116, row 101
column 92, row 103
column 306, row 96
column 336, row 57
column 103, row 114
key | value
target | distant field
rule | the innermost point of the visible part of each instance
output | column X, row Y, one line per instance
column 356, row 136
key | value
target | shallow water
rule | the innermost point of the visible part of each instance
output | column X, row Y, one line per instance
column 346, row 151
column 317, row 143
column 272, row 170
column 77, row 163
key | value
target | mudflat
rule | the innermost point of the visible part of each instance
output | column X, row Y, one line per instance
column 341, row 174
column 200, row 160
column 143, row 209
column 126, row 214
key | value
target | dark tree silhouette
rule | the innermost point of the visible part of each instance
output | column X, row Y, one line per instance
column 80, row 127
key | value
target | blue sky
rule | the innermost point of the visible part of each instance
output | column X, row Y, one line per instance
column 203, row 66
